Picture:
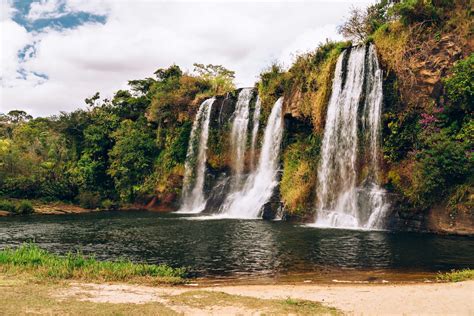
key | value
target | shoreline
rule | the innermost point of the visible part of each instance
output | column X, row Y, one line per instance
column 243, row 299
column 63, row 208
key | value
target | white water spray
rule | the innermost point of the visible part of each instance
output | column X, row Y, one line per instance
column 256, row 125
column 193, row 200
column 341, row 202
column 259, row 186
column 238, row 138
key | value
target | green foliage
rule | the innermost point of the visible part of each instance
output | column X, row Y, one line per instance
column 131, row 158
column 271, row 86
column 18, row 116
column 25, row 207
column 29, row 258
column 300, row 161
column 8, row 206
column 220, row 78
column 460, row 86
column 456, row 275
column 108, row 204
column 400, row 135
column 444, row 164
column 416, row 11
column 174, row 95
column 34, row 161
column 309, row 82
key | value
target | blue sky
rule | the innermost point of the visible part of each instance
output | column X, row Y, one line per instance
column 60, row 17
column 55, row 53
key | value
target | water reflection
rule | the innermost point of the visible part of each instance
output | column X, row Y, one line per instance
column 236, row 247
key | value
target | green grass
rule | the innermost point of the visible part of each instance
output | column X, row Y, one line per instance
column 31, row 259
column 456, row 275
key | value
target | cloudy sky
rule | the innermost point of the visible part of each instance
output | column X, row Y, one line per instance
column 55, row 53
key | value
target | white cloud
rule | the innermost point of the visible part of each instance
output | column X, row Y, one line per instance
column 44, row 9
column 141, row 36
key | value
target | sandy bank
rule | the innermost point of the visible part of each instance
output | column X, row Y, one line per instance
column 397, row 299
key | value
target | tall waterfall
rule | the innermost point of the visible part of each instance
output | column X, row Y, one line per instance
column 256, row 125
column 238, row 138
column 259, row 186
column 343, row 199
column 193, row 200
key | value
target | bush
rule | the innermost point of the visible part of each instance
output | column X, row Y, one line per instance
column 456, row 275
column 460, row 86
column 108, row 204
column 25, row 207
column 7, row 206
column 439, row 168
column 89, row 200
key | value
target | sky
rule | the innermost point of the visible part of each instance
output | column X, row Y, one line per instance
column 56, row 53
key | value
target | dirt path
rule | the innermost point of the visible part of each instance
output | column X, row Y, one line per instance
column 398, row 299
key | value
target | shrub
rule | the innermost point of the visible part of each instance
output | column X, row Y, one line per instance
column 107, row 204
column 89, row 200
column 25, row 207
column 300, row 160
column 460, row 86
column 7, row 206
column 440, row 167
column 456, row 275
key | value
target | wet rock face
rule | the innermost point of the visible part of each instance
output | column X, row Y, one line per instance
column 438, row 219
column 222, row 111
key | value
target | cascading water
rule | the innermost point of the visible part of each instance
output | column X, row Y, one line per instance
column 238, row 139
column 256, row 125
column 193, row 200
column 341, row 201
column 259, row 186
column 371, row 123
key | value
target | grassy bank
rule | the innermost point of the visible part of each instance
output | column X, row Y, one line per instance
column 41, row 264
column 457, row 275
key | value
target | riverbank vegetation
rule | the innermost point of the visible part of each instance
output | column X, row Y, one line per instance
column 457, row 275
column 32, row 260
column 116, row 151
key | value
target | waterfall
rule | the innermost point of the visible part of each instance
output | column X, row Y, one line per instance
column 193, row 200
column 342, row 199
column 256, row 124
column 238, row 138
column 260, row 184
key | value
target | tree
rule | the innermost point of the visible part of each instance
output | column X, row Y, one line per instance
column 361, row 24
column 164, row 74
column 220, row 78
column 92, row 100
column 131, row 158
column 18, row 116
column 92, row 166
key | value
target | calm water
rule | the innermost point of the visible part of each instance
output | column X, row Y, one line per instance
column 236, row 248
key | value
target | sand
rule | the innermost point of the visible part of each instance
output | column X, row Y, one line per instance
column 352, row 299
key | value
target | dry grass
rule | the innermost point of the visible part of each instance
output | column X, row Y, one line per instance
column 25, row 297
column 204, row 299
